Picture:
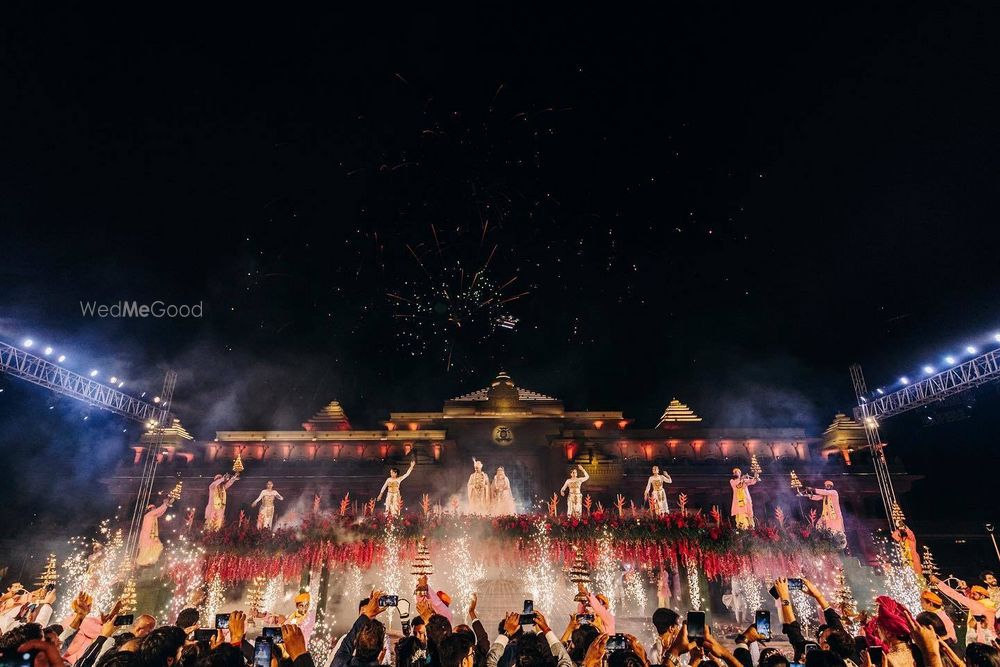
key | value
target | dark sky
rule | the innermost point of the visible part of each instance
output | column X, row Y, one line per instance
column 729, row 205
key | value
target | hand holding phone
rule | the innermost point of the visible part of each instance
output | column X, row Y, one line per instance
column 876, row 655
column 124, row 619
column 762, row 623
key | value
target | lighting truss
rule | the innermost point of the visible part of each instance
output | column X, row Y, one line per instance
column 968, row 375
column 42, row 372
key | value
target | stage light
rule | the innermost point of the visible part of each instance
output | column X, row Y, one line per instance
column 121, row 384
column 28, row 342
column 904, row 380
column 971, row 350
column 879, row 390
column 62, row 358
column 156, row 399
column 996, row 337
column 950, row 360
column 929, row 370
column 93, row 374
column 114, row 379
column 48, row 351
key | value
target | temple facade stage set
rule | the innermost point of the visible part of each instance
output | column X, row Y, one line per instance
column 538, row 442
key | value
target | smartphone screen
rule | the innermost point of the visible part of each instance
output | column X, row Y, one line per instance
column 529, row 607
column 388, row 601
column 584, row 619
column 616, row 642
column 762, row 621
column 222, row 621
column 13, row 658
column 810, row 647
column 696, row 625
column 795, row 584
column 262, row 652
column 876, row 655
column 273, row 633
column 124, row 619
column 527, row 619
column 204, row 634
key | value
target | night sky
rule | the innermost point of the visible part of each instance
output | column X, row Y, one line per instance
column 728, row 206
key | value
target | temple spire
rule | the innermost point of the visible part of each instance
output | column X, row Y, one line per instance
column 331, row 418
column 677, row 413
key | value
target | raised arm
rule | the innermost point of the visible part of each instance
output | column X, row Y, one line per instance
column 232, row 480
column 162, row 509
column 666, row 477
column 408, row 471
column 977, row 608
column 585, row 475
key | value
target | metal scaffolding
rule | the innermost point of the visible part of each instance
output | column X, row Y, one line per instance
column 875, row 443
column 27, row 366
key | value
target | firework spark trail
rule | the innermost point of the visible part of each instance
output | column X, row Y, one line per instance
column 466, row 571
column 273, row 593
column 391, row 572
column 606, row 574
column 751, row 590
column 540, row 575
column 805, row 611
column 185, row 561
column 97, row 574
column 694, row 585
column 214, row 601
column 635, row 592
column 354, row 582
column 900, row 581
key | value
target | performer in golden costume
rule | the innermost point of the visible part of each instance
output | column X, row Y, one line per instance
column 574, row 503
column 393, row 500
column 656, row 493
column 265, row 517
column 215, row 511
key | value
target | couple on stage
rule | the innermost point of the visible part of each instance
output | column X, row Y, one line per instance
column 489, row 498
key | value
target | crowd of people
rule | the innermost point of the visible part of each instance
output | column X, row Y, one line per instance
column 890, row 637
